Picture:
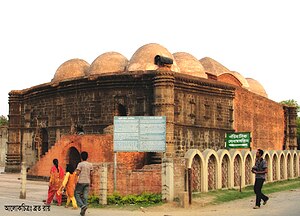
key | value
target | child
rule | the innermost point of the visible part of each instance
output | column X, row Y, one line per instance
column 69, row 183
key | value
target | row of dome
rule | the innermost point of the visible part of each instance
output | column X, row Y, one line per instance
column 143, row 60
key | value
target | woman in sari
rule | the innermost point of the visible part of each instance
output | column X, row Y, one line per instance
column 56, row 177
column 69, row 184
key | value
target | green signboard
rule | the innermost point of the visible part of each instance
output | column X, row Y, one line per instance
column 238, row 140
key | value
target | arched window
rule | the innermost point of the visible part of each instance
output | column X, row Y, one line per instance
column 122, row 111
column 45, row 145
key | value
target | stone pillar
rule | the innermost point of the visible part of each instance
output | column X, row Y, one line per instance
column 243, row 174
column 204, row 177
column 270, row 170
column 163, row 104
column 184, row 199
column 293, row 128
column 103, row 185
column 23, row 181
column 13, row 155
column 167, row 179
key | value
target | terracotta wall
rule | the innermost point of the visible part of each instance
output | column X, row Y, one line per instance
column 136, row 181
column 132, row 176
column 263, row 117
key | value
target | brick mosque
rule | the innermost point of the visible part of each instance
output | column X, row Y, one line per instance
column 201, row 99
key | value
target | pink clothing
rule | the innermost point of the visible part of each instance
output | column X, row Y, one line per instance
column 56, row 178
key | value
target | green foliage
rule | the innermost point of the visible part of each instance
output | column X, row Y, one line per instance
column 144, row 198
column 3, row 120
column 291, row 102
column 115, row 198
column 93, row 199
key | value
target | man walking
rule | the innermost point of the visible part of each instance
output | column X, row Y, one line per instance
column 260, row 170
column 84, row 171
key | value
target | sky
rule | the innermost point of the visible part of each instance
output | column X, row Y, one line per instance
column 260, row 39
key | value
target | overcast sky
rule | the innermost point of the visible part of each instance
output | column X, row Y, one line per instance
column 260, row 39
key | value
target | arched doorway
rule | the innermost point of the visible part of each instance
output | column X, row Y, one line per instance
column 74, row 157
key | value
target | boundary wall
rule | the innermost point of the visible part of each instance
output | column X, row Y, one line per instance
column 232, row 168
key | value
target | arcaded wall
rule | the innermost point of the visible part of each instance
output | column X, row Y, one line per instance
column 232, row 169
column 261, row 116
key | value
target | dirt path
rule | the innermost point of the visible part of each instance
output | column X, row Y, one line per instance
column 281, row 203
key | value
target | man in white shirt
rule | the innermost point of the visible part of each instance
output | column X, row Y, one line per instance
column 84, row 171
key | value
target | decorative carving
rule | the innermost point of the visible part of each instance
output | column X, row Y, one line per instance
column 225, row 171
column 248, row 168
column 196, row 175
column 211, row 172
column 237, row 170
column 274, row 167
column 288, row 166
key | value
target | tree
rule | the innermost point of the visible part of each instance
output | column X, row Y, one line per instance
column 291, row 102
column 3, row 120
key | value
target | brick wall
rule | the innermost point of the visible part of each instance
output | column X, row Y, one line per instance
column 179, row 175
column 132, row 176
column 263, row 117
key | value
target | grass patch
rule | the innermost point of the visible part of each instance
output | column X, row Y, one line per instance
column 135, row 202
column 128, row 202
column 220, row 196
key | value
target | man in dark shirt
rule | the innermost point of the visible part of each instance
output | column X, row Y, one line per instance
column 260, row 170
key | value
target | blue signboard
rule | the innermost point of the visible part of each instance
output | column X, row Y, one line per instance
column 139, row 134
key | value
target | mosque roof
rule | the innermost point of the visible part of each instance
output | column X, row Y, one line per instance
column 256, row 87
column 242, row 79
column 188, row 64
column 73, row 68
column 143, row 58
column 108, row 62
column 212, row 66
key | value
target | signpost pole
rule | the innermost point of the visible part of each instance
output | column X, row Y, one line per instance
column 115, row 171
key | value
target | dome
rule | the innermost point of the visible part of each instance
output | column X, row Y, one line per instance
column 212, row 66
column 242, row 79
column 70, row 69
column 188, row 64
column 256, row 87
column 228, row 77
column 108, row 62
column 143, row 58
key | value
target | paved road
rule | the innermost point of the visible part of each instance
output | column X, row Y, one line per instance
column 283, row 203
